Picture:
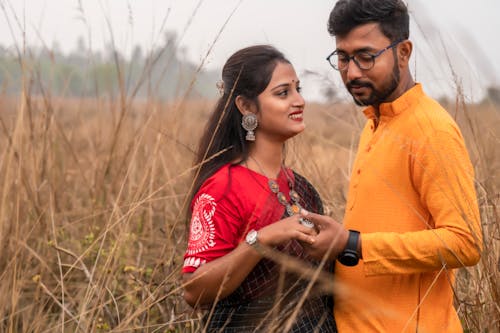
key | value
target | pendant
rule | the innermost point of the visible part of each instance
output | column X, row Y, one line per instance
column 273, row 185
column 296, row 208
column 293, row 207
column 282, row 198
column 294, row 196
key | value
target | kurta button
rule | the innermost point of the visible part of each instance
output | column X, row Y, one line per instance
column 359, row 171
column 368, row 149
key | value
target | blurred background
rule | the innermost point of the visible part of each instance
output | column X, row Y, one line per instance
column 455, row 41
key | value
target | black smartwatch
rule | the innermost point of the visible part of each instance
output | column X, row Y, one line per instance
column 350, row 255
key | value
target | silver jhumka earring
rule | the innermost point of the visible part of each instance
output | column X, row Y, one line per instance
column 249, row 123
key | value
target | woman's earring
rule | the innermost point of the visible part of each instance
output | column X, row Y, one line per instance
column 249, row 123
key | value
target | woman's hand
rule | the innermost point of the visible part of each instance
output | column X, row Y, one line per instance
column 331, row 238
column 285, row 230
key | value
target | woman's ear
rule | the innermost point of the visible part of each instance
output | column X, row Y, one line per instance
column 244, row 105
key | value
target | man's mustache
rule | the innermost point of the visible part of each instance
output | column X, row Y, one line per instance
column 358, row 83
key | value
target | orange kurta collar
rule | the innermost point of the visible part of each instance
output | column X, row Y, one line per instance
column 402, row 103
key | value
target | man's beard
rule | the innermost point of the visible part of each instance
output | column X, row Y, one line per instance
column 377, row 96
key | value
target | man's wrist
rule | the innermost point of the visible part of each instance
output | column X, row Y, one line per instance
column 352, row 251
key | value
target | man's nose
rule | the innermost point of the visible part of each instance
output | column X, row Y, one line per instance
column 352, row 71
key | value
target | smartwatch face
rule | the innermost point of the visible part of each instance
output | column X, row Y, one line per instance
column 349, row 258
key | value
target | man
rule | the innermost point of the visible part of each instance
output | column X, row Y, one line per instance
column 411, row 213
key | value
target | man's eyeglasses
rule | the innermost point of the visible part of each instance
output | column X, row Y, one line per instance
column 364, row 60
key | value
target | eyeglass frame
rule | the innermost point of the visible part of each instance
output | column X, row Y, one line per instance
column 352, row 57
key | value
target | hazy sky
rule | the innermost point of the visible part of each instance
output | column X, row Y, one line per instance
column 454, row 40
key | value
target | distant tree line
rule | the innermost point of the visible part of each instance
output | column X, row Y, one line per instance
column 161, row 73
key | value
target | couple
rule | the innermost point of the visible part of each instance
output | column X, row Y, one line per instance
column 411, row 214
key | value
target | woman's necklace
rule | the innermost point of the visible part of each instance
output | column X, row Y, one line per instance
column 293, row 207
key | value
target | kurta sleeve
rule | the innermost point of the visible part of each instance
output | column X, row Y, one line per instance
column 442, row 174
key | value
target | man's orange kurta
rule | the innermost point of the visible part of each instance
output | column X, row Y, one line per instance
column 412, row 197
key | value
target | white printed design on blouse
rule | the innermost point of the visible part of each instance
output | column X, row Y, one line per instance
column 202, row 231
column 194, row 262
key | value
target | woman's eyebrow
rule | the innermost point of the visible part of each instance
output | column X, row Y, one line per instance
column 286, row 84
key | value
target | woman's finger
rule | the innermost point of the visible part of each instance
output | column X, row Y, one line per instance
column 305, row 238
column 317, row 219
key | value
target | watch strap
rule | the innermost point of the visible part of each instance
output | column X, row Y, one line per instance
column 350, row 255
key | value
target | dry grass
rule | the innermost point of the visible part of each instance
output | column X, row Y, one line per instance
column 91, row 199
column 90, row 230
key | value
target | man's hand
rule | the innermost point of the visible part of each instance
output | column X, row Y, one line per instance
column 331, row 238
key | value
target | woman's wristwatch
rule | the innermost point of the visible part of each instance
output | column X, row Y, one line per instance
column 350, row 255
column 251, row 237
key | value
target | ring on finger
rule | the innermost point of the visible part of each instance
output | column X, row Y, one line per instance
column 306, row 223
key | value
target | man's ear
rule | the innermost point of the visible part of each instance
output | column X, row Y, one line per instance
column 244, row 105
column 404, row 52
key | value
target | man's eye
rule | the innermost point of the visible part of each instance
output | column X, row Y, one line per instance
column 343, row 58
column 365, row 57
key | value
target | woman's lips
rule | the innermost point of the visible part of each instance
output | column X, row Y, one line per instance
column 296, row 115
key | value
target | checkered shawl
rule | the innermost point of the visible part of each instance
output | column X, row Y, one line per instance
column 267, row 297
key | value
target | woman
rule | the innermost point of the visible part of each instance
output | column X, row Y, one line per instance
column 245, row 197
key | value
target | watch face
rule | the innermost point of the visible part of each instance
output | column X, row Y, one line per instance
column 349, row 258
column 251, row 237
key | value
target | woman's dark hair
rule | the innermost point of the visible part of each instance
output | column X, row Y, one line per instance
column 246, row 73
column 392, row 16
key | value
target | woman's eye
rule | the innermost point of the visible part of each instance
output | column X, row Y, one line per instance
column 283, row 93
column 299, row 89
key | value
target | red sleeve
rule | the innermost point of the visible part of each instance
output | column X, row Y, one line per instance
column 215, row 225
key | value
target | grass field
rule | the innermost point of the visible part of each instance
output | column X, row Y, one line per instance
column 92, row 200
